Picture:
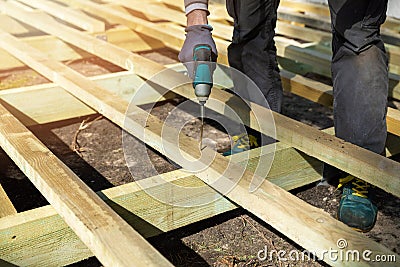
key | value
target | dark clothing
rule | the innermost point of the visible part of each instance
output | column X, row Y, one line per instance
column 253, row 49
column 359, row 74
column 359, row 65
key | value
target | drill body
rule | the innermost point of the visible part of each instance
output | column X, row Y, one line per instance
column 202, row 82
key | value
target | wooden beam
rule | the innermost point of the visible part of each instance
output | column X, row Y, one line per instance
column 314, row 224
column 303, row 33
column 320, row 61
column 307, row 88
column 389, row 36
column 149, row 216
column 325, row 38
column 350, row 158
column 60, row 51
column 14, row 27
column 323, row 10
column 22, row 246
column 283, row 45
column 69, row 15
column 283, row 28
column 316, row 9
column 393, row 121
column 40, row 237
column 49, row 102
column 6, row 206
column 323, row 94
column 171, row 38
column 109, row 237
column 158, row 11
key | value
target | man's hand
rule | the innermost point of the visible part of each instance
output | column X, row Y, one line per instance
column 198, row 32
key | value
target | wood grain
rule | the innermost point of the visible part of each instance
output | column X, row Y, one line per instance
column 219, row 172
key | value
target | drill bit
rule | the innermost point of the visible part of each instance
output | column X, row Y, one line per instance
column 202, row 123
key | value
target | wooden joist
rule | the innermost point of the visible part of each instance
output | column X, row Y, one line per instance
column 350, row 158
column 109, row 237
column 59, row 50
column 282, row 205
column 14, row 27
column 323, row 94
column 40, row 237
column 143, row 212
column 319, row 60
column 315, row 223
column 323, row 10
column 148, row 216
column 317, row 9
column 174, row 38
column 69, row 15
column 6, row 206
column 50, row 103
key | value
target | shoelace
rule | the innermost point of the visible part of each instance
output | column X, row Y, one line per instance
column 244, row 141
column 360, row 187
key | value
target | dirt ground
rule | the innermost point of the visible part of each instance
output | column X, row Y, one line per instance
column 230, row 239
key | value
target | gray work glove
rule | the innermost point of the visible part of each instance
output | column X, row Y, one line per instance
column 196, row 35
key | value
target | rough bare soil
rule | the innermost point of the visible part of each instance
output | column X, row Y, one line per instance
column 231, row 239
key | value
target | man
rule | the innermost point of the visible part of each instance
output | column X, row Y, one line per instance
column 252, row 50
column 359, row 73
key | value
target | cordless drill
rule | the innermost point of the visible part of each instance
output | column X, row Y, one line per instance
column 202, row 82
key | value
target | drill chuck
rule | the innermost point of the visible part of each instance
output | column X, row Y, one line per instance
column 202, row 91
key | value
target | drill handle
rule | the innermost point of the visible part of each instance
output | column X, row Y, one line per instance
column 202, row 52
column 202, row 56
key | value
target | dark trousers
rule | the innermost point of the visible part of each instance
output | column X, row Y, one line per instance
column 253, row 49
column 359, row 65
column 359, row 74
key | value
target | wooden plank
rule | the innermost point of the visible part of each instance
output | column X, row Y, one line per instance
column 320, row 61
column 69, row 15
column 172, row 39
column 323, row 94
column 133, row 203
column 109, row 237
column 59, row 50
column 388, row 36
column 316, row 9
column 156, row 10
column 350, row 158
column 133, row 128
column 314, row 224
column 307, row 88
column 303, row 33
column 323, row 10
column 393, row 119
column 49, row 102
column 150, row 217
column 6, row 206
column 12, row 26
column 325, row 38
column 322, row 23
column 40, row 237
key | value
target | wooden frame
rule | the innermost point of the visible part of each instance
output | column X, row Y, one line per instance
column 314, row 223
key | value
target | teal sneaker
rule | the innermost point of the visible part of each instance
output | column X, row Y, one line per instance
column 241, row 143
column 355, row 207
